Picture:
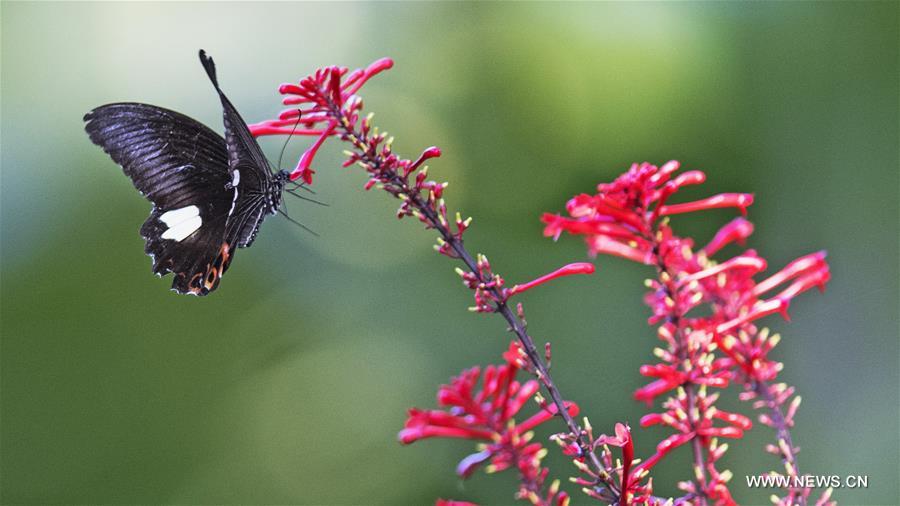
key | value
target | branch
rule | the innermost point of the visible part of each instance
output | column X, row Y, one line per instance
column 454, row 241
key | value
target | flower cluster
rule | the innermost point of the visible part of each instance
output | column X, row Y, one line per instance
column 706, row 311
column 707, row 348
column 330, row 100
column 333, row 109
column 481, row 406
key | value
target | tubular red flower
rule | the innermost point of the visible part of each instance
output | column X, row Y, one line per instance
column 758, row 311
column 276, row 128
column 738, row 200
column 663, row 174
column 415, row 433
column 653, row 390
column 661, row 196
column 815, row 279
column 303, row 169
column 375, row 68
column 736, row 419
column 737, row 230
column 566, row 270
column 729, row 432
column 603, row 244
column 432, row 152
column 543, row 416
column 754, row 263
column 814, row 262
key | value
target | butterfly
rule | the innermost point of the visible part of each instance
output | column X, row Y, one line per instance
column 210, row 195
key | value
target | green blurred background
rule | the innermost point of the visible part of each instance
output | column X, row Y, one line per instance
column 289, row 384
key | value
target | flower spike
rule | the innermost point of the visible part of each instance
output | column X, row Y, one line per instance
column 628, row 218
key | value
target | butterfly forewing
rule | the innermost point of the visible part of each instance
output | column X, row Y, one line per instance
column 171, row 158
column 259, row 194
column 182, row 167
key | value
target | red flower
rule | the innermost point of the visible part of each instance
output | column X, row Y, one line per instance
column 619, row 218
column 566, row 270
column 486, row 413
column 326, row 95
column 706, row 348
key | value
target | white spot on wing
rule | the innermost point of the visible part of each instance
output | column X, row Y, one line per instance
column 234, row 199
column 235, row 181
column 183, row 229
column 175, row 216
column 181, row 222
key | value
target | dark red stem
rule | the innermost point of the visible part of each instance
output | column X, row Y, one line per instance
column 782, row 431
column 675, row 317
column 516, row 325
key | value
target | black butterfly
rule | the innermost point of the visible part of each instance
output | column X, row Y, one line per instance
column 210, row 195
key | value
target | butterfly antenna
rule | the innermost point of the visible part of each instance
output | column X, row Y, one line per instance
column 295, row 222
column 302, row 186
column 283, row 146
column 301, row 197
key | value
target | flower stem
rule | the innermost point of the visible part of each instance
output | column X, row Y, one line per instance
column 782, row 433
column 667, row 281
column 516, row 325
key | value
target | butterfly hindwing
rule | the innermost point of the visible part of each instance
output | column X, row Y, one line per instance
column 196, row 256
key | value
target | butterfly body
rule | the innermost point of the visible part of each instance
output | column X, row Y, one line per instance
column 210, row 194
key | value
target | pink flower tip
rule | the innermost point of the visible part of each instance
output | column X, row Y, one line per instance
column 469, row 464
column 379, row 65
column 566, row 270
column 783, row 311
column 738, row 230
column 432, row 152
column 407, row 436
column 743, row 201
column 289, row 88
